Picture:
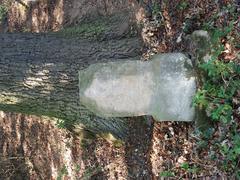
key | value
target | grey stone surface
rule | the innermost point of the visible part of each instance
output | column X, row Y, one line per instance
column 162, row 87
column 201, row 44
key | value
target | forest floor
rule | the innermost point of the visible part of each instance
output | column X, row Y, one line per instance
column 153, row 150
column 174, row 150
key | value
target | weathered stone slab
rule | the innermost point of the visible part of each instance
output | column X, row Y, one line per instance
column 162, row 87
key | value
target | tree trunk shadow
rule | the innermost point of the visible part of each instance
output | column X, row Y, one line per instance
column 13, row 164
column 29, row 148
column 138, row 148
column 93, row 169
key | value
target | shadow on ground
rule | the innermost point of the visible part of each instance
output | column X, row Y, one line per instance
column 33, row 148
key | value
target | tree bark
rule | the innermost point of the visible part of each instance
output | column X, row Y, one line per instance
column 39, row 75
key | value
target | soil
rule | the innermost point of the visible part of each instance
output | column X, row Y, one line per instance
column 35, row 148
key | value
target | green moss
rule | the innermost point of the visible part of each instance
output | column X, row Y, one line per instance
column 3, row 12
column 88, row 30
column 182, row 5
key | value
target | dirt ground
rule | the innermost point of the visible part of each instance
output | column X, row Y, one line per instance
column 34, row 148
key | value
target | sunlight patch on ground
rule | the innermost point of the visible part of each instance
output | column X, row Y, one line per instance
column 9, row 98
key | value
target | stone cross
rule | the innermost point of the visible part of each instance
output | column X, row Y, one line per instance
column 162, row 87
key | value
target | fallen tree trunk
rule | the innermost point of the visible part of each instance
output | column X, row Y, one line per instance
column 39, row 75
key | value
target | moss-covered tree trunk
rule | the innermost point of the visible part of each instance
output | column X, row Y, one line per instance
column 39, row 75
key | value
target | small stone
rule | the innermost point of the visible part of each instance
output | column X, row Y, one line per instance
column 201, row 33
column 166, row 137
column 181, row 160
column 171, row 131
column 2, row 114
column 179, row 39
